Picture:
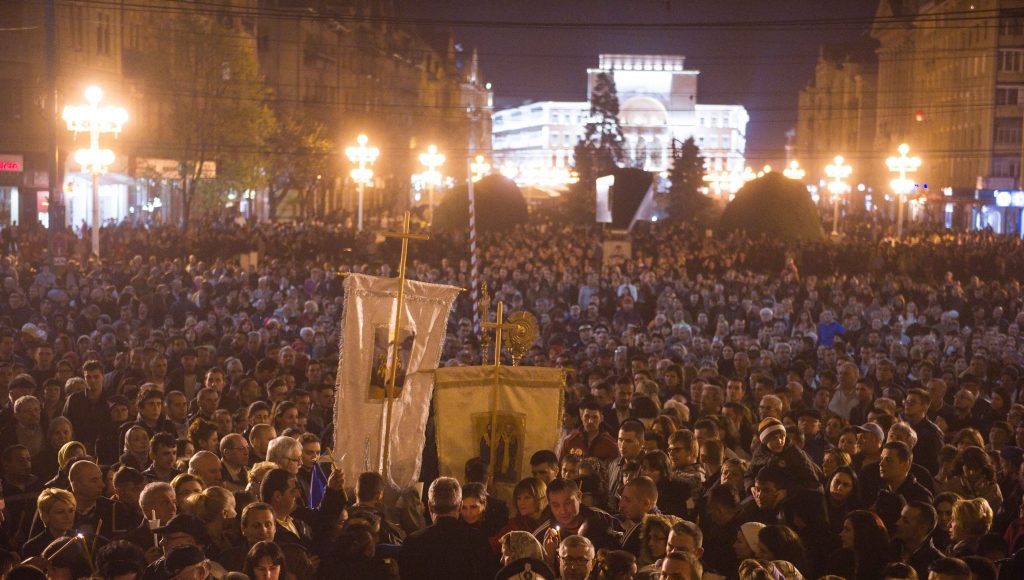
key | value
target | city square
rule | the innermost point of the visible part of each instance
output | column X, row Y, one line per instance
column 583, row 290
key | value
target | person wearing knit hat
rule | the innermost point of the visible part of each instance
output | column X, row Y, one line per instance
column 747, row 544
column 772, row 434
column 776, row 449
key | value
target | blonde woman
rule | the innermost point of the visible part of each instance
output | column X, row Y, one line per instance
column 216, row 507
column 56, row 509
column 256, row 475
column 972, row 519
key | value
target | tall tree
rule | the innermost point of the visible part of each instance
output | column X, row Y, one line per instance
column 301, row 161
column 602, row 138
column 207, row 81
column 685, row 200
column 598, row 151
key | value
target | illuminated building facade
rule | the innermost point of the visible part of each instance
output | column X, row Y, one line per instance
column 658, row 107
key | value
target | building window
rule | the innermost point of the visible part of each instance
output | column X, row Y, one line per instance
column 1011, row 25
column 1005, row 166
column 1009, row 95
column 1011, row 60
column 11, row 101
column 1008, row 131
column 77, row 27
column 103, row 22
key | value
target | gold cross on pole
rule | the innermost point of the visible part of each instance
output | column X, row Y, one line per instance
column 498, row 325
column 405, row 236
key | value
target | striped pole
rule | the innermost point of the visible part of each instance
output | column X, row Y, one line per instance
column 474, row 258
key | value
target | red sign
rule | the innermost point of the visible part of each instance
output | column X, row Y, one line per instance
column 42, row 201
column 15, row 163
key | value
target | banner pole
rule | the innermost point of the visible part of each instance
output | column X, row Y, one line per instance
column 405, row 236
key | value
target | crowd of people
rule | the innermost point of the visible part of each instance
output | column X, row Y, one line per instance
column 735, row 408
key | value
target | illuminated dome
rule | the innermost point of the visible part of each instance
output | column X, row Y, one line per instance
column 643, row 112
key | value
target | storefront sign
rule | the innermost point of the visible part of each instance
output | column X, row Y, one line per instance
column 14, row 163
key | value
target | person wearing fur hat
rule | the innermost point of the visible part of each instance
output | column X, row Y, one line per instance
column 777, row 450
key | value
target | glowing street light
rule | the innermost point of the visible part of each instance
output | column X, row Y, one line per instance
column 432, row 160
column 794, row 171
column 363, row 157
column 838, row 171
column 95, row 120
column 902, row 186
column 479, row 167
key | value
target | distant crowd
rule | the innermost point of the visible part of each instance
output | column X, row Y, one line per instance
column 736, row 407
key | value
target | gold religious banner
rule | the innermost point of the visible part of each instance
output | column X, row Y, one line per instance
column 501, row 414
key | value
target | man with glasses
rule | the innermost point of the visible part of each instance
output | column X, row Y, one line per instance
column 683, row 457
column 575, row 558
column 286, row 452
column 234, row 453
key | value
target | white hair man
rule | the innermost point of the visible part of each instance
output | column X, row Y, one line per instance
column 286, row 452
column 157, row 501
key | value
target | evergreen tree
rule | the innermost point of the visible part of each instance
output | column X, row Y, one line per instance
column 685, row 200
column 598, row 151
column 603, row 136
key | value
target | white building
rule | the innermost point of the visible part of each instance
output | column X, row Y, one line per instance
column 533, row 144
column 658, row 107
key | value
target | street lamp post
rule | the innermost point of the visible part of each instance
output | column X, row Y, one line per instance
column 479, row 168
column 432, row 160
column 902, row 186
column 95, row 120
column 794, row 171
column 837, row 171
column 363, row 157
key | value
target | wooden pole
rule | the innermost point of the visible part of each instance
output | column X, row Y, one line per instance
column 396, row 334
column 499, row 326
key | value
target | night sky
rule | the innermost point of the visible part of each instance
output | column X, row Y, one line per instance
column 757, row 53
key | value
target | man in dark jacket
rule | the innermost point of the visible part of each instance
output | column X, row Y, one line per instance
column 929, row 436
column 87, row 410
column 912, row 536
column 448, row 548
column 894, row 469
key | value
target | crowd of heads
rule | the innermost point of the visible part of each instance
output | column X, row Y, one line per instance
column 734, row 406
